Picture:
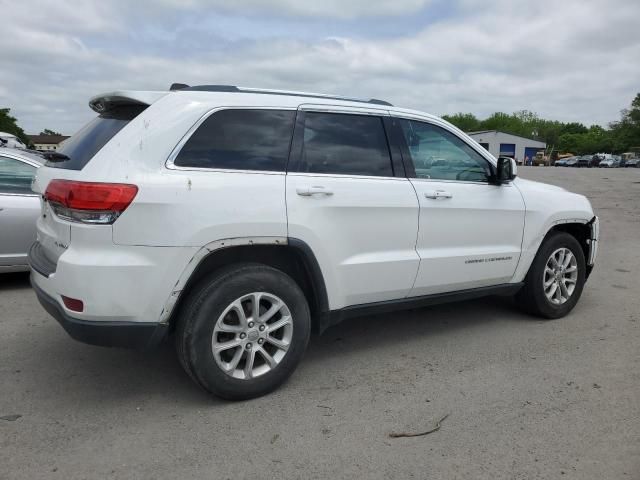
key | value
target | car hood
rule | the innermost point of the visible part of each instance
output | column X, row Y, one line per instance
column 552, row 202
column 537, row 187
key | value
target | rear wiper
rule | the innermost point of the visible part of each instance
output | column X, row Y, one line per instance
column 55, row 156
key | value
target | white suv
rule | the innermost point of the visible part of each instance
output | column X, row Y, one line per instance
column 238, row 220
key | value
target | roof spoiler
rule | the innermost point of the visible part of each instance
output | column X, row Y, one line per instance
column 107, row 101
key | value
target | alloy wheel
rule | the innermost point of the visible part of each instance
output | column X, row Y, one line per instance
column 252, row 335
column 560, row 276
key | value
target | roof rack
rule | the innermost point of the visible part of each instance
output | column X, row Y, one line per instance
column 234, row 89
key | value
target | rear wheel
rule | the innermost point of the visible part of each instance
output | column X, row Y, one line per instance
column 242, row 332
column 555, row 279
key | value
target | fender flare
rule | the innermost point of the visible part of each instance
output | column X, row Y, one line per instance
column 309, row 261
column 199, row 256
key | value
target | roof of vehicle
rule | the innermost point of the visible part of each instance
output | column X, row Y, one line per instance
column 7, row 135
column 19, row 153
column 242, row 96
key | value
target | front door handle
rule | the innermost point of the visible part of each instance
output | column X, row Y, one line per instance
column 435, row 194
column 315, row 190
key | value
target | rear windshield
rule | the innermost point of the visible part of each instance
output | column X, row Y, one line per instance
column 76, row 151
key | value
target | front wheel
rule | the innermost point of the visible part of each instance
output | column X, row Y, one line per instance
column 555, row 279
column 243, row 331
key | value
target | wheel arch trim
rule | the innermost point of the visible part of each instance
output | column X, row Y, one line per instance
column 197, row 259
column 302, row 248
column 528, row 253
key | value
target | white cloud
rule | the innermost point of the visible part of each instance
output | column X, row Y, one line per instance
column 571, row 60
column 311, row 8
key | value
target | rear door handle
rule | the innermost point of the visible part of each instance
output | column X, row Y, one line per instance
column 435, row 194
column 315, row 190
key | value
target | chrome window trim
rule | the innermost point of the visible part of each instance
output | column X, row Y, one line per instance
column 483, row 152
column 21, row 194
column 465, row 182
column 344, row 109
column 20, row 158
column 346, row 176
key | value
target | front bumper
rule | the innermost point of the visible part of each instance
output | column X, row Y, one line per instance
column 594, row 225
column 103, row 333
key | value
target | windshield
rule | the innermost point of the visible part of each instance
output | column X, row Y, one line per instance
column 76, row 151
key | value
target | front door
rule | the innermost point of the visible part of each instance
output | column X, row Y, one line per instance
column 470, row 231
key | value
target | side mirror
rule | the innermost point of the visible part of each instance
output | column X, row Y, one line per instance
column 506, row 170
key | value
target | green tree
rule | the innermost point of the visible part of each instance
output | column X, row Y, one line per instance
column 466, row 122
column 626, row 132
column 621, row 136
column 46, row 131
column 573, row 127
column 9, row 124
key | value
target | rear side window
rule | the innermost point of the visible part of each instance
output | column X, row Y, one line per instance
column 15, row 176
column 345, row 144
column 76, row 151
column 240, row 140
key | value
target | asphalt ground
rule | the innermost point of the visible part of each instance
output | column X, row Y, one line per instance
column 525, row 398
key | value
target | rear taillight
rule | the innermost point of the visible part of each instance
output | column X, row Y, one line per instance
column 89, row 202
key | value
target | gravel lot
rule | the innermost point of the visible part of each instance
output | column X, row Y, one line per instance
column 525, row 398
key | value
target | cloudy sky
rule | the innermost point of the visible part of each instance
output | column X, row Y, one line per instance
column 564, row 59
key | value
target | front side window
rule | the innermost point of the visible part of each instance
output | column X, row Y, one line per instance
column 345, row 144
column 438, row 154
column 240, row 140
column 15, row 176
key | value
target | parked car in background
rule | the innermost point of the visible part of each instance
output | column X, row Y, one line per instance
column 540, row 159
column 563, row 162
column 318, row 208
column 571, row 162
column 9, row 140
column 611, row 161
column 19, row 207
column 632, row 162
column 583, row 161
column 634, row 157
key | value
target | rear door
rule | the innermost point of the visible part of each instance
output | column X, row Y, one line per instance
column 352, row 204
column 19, row 209
column 470, row 230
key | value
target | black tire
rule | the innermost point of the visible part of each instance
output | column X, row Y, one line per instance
column 531, row 298
column 204, row 305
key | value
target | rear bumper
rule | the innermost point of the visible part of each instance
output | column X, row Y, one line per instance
column 106, row 334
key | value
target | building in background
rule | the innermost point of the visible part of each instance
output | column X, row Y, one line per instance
column 47, row 143
column 501, row 144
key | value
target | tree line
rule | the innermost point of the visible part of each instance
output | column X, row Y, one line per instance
column 9, row 124
column 620, row 136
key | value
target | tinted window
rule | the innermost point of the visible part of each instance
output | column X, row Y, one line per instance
column 81, row 147
column 439, row 154
column 345, row 144
column 15, row 176
column 240, row 140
